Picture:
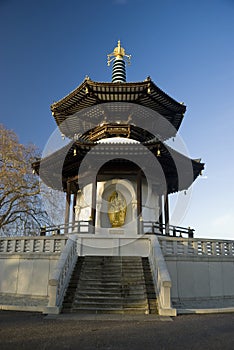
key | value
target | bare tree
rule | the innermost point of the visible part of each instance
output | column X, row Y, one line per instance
column 21, row 211
column 54, row 204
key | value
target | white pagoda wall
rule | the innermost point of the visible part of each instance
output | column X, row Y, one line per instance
column 201, row 277
column 150, row 206
column 26, row 274
column 201, row 270
column 83, row 204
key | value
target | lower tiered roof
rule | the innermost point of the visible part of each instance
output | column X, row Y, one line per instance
column 64, row 165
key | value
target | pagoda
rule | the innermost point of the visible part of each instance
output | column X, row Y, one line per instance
column 117, row 169
column 112, row 252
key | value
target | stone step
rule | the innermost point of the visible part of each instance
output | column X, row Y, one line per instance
column 104, row 299
column 106, row 279
column 111, row 272
column 119, row 278
column 118, row 269
column 110, row 310
column 110, row 290
column 112, row 262
column 110, row 303
column 107, row 293
column 96, row 283
column 112, row 258
column 113, row 265
column 100, row 289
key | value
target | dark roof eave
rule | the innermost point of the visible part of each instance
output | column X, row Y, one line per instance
column 86, row 95
column 70, row 163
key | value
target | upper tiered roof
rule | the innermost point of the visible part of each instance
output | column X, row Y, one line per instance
column 89, row 100
column 91, row 93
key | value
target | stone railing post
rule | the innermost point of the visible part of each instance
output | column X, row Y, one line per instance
column 52, row 291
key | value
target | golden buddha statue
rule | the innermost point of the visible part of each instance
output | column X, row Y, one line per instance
column 117, row 209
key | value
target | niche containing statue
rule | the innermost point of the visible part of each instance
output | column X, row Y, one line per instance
column 117, row 208
column 116, row 204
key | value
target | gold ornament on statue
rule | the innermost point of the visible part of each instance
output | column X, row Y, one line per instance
column 117, row 209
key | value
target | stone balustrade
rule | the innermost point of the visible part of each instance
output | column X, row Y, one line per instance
column 61, row 276
column 196, row 246
column 161, row 277
column 19, row 245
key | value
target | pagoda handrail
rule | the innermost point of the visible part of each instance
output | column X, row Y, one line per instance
column 82, row 226
column 149, row 227
column 154, row 227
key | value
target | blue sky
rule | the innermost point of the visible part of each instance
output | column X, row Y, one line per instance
column 186, row 46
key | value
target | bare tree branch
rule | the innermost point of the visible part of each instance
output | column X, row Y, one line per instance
column 20, row 201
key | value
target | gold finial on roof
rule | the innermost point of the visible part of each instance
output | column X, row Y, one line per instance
column 118, row 53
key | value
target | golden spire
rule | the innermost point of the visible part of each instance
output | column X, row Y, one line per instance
column 118, row 53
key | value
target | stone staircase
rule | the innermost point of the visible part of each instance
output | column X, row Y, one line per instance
column 108, row 284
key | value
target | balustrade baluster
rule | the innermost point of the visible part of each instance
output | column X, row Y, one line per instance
column 195, row 247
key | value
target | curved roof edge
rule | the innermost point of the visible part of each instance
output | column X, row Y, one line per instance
column 146, row 93
column 57, row 168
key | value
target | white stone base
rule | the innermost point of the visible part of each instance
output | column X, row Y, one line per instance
column 167, row 312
